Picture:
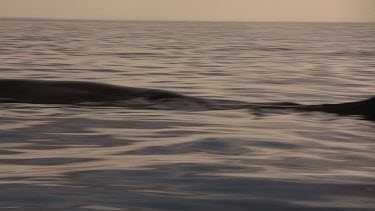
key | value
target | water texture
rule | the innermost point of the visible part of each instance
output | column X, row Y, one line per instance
column 56, row 157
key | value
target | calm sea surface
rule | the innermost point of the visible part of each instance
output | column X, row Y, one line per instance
column 79, row 158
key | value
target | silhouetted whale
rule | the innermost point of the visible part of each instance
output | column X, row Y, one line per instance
column 78, row 92
column 90, row 93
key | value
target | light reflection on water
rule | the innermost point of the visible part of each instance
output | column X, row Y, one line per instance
column 77, row 158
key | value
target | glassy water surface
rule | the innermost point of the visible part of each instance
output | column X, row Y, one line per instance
column 77, row 158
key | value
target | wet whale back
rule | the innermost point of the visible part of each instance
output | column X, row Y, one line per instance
column 27, row 91
column 68, row 92
column 364, row 107
column 77, row 92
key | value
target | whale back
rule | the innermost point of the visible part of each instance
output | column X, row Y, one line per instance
column 364, row 107
column 70, row 92
column 91, row 93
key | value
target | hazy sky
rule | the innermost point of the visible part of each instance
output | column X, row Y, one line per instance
column 215, row 10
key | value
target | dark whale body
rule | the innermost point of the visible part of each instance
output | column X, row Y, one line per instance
column 73, row 92
column 86, row 93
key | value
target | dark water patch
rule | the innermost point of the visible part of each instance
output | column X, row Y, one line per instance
column 210, row 146
column 35, row 197
column 104, row 70
column 274, row 144
column 231, row 49
column 131, row 74
column 149, row 67
column 179, row 132
column 8, row 69
column 45, row 161
column 245, row 193
column 215, row 73
column 39, row 197
column 9, row 152
column 45, row 141
column 364, row 54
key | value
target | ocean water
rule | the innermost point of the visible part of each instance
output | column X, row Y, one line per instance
column 55, row 157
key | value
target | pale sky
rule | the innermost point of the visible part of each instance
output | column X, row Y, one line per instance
column 202, row 10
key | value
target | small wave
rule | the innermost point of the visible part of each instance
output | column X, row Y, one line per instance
column 274, row 49
column 352, row 53
column 134, row 55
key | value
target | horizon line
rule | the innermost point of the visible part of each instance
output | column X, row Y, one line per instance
column 168, row 20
